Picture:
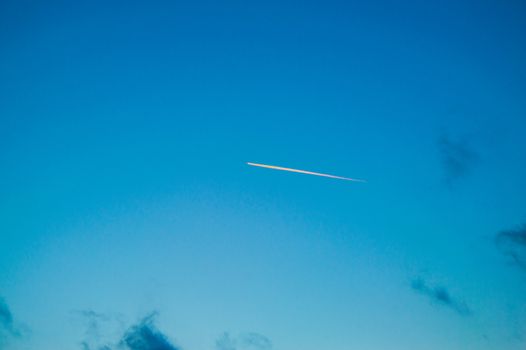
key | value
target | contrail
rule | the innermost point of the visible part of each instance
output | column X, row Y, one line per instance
column 303, row 172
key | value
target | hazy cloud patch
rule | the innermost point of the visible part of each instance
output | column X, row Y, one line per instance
column 8, row 328
column 98, row 329
column 440, row 295
column 226, row 342
column 255, row 341
column 513, row 244
column 244, row 341
column 107, row 332
column 142, row 336
column 457, row 157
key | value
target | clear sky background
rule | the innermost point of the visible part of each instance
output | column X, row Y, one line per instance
column 124, row 132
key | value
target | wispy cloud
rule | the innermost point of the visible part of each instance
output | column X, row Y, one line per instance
column 244, row 341
column 256, row 341
column 226, row 342
column 102, row 334
column 98, row 326
column 142, row 336
column 146, row 336
column 8, row 329
column 513, row 244
column 440, row 295
column 457, row 157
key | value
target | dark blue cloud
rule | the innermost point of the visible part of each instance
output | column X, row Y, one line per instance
column 145, row 336
column 7, row 324
column 440, row 295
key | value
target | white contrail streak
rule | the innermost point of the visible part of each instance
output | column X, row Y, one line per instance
column 304, row 172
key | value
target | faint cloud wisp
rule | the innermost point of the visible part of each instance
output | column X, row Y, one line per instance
column 142, row 336
column 97, row 325
column 513, row 244
column 256, row 341
column 457, row 158
column 226, row 342
column 250, row 340
column 440, row 295
column 145, row 335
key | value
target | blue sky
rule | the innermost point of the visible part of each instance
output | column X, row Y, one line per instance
column 124, row 132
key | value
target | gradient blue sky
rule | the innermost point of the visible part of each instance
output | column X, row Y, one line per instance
column 124, row 132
